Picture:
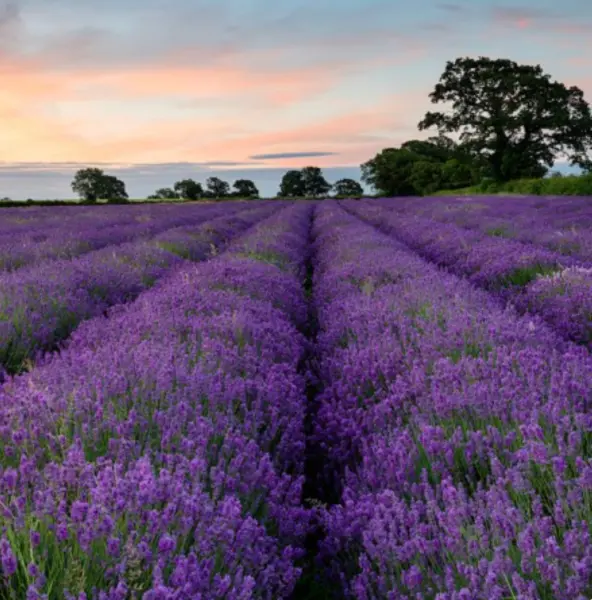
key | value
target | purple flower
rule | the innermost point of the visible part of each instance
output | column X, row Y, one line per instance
column 113, row 545
column 166, row 544
column 7, row 558
column 10, row 478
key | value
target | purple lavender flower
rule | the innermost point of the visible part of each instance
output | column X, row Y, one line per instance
column 168, row 436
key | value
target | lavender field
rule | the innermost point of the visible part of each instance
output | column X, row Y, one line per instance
column 375, row 399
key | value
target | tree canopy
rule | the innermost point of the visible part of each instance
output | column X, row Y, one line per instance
column 164, row 194
column 93, row 184
column 188, row 189
column 113, row 190
column 245, row 188
column 513, row 117
column 314, row 182
column 421, row 167
column 348, row 188
column 292, row 185
column 308, row 182
column 217, row 188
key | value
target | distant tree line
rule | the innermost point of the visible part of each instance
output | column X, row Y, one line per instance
column 93, row 184
column 309, row 182
column 511, row 122
column 188, row 189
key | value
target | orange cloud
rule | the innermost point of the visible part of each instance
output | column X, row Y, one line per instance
column 168, row 81
column 352, row 134
column 101, row 114
column 24, row 80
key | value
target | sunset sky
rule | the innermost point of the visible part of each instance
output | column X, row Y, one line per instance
column 156, row 90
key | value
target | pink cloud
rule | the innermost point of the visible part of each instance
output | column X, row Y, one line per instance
column 55, row 115
column 369, row 129
column 354, row 135
column 538, row 20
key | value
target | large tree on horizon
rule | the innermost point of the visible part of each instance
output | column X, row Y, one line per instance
column 292, row 185
column 347, row 187
column 188, row 189
column 514, row 117
column 314, row 181
column 93, row 184
column 421, row 167
column 245, row 188
column 217, row 188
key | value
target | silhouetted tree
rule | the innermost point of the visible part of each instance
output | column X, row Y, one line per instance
column 314, row 182
column 113, row 190
column 347, row 187
column 389, row 172
column 512, row 116
column 164, row 194
column 458, row 174
column 217, row 187
column 245, row 188
column 87, row 183
column 92, row 184
column 188, row 189
column 292, row 185
column 422, row 167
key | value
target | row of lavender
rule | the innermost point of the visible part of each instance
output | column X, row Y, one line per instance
column 535, row 279
column 160, row 454
column 561, row 224
column 461, row 432
column 65, row 234
column 42, row 220
column 43, row 304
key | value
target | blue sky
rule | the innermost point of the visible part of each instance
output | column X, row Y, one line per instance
column 155, row 90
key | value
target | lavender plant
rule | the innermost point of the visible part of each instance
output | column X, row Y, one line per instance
column 457, row 431
column 41, row 305
column 160, row 454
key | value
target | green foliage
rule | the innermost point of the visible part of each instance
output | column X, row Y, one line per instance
column 389, row 172
column 347, row 188
column 292, row 185
column 314, row 183
column 568, row 185
column 267, row 256
column 437, row 148
column 308, row 182
column 164, row 194
column 522, row 276
column 501, row 231
column 420, row 167
column 115, row 200
column 426, row 176
column 113, row 190
column 458, row 174
column 217, row 188
column 93, row 184
column 513, row 117
column 245, row 188
column 188, row 189
column 86, row 183
column 571, row 185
